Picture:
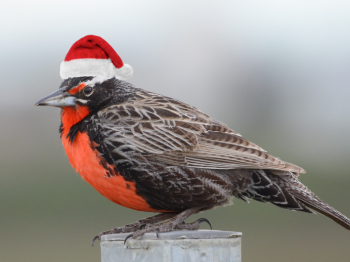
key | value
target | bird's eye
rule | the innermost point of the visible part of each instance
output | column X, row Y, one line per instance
column 88, row 91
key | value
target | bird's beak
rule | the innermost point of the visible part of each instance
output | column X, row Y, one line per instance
column 60, row 98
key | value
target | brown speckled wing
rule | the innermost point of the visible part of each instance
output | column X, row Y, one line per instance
column 167, row 131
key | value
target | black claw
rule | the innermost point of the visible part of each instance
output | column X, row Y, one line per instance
column 127, row 238
column 204, row 220
column 142, row 226
column 94, row 239
column 157, row 231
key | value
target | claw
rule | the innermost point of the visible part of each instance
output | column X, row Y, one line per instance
column 127, row 238
column 204, row 220
column 142, row 226
column 94, row 239
column 157, row 231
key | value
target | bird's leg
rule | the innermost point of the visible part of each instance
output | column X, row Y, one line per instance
column 136, row 225
column 192, row 226
column 145, row 221
column 170, row 225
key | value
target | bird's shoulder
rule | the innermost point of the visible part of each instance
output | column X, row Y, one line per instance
column 148, row 114
column 161, row 111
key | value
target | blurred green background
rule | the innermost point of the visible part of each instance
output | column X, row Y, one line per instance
column 278, row 72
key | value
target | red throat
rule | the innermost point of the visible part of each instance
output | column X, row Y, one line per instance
column 72, row 115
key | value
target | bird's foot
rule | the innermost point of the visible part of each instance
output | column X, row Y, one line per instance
column 167, row 227
column 125, row 229
column 158, row 228
column 192, row 226
column 146, row 225
column 135, row 226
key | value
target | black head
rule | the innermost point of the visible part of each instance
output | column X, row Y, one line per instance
column 93, row 92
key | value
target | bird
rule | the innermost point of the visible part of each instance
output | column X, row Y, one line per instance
column 150, row 152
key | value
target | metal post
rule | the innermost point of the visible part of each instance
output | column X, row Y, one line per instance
column 184, row 246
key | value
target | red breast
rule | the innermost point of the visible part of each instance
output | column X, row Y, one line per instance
column 87, row 161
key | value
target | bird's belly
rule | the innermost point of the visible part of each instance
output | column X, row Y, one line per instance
column 89, row 164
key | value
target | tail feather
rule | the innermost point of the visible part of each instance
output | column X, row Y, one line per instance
column 326, row 210
column 283, row 189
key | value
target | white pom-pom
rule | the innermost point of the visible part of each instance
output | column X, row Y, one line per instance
column 124, row 72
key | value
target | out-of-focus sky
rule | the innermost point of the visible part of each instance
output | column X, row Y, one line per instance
column 278, row 72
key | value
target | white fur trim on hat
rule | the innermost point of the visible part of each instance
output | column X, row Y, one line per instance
column 94, row 67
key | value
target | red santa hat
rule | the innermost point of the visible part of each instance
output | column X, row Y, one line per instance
column 93, row 56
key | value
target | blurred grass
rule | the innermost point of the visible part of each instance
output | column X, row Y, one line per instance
column 48, row 213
